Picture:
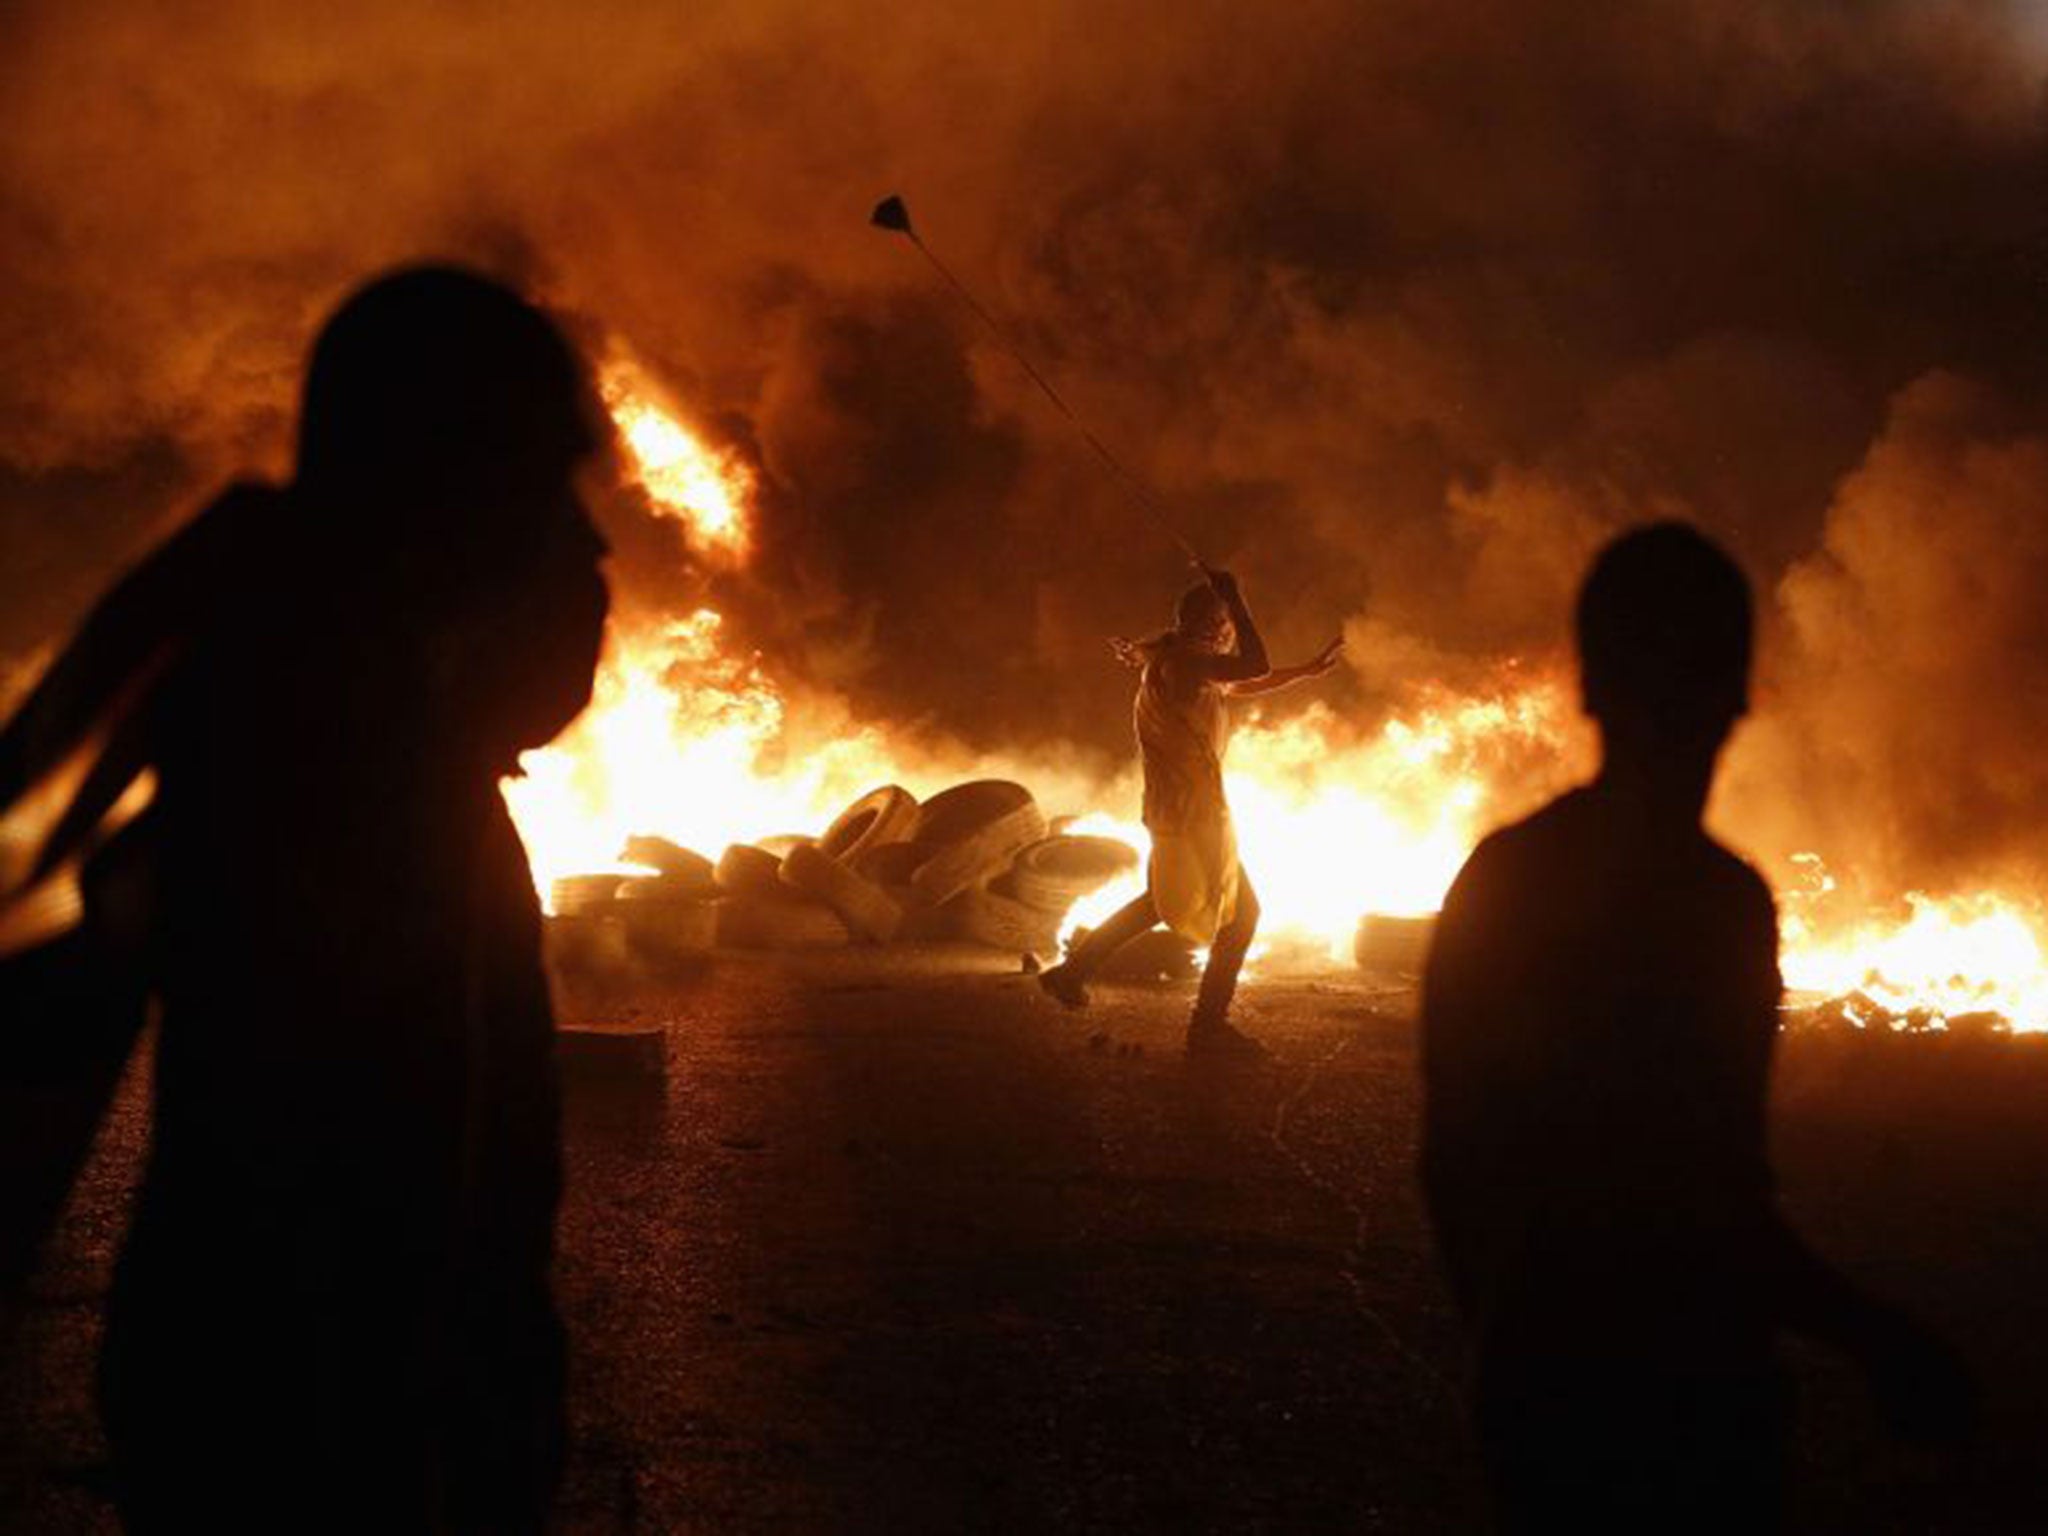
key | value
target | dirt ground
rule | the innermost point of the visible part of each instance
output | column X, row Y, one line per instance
column 897, row 1247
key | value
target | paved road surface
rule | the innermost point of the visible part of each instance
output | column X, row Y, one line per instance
column 899, row 1248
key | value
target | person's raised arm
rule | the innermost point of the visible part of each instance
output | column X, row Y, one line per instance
column 123, row 640
column 1247, row 659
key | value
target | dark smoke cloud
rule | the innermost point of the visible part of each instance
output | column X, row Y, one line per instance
column 1403, row 307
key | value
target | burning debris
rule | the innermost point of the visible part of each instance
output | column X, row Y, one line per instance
column 1860, row 1013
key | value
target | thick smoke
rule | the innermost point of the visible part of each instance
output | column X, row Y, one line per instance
column 1402, row 307
column 1914, row 676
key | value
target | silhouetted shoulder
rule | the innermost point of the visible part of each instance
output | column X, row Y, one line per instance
column 1564, row 818
column 1740, row 876
column 1572, row 875
column 1573, row 836
column 1746, row 895
column 1523, row 849
column 1485, row 918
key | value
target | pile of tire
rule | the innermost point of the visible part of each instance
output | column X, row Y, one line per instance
column 663, row 913
column 1395, row 947
column 889, row 868
column 974, row 864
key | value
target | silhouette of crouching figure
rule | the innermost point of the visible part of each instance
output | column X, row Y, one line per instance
column 333, row 1309
column 1599, row 1012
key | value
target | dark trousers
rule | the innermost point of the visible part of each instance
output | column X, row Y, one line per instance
column 1226, row 956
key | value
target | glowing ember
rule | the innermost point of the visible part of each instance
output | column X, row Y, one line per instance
column 1977, row 954
column 691, row 741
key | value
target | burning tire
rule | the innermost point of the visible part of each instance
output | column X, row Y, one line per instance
column 879, row 818
column 1055, row 872
column 577, row 895
column 923, row 924
column 889, row 864
column 971, row 832
column 664, row 888
column 778, row 919
column 1396, row 946
column 860, row 903
column 982, row 917
column 670, row 860
column 744, row 869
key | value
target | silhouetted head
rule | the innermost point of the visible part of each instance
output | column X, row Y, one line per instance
column 435, row 387
column 1202, row 618
column 1664, row 630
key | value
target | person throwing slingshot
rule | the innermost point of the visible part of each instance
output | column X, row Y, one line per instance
column 1194, row 885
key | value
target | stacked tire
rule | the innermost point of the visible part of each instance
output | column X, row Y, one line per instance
column 969, row 835
column 1055, row 872
column 864, row 907
column 974, row 864
column 806, row 893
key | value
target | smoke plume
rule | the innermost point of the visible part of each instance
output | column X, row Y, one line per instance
column 1401, row 307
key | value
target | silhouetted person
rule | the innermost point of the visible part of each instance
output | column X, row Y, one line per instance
column 1194, row 884
column 333, row 1309
column 1599, row 1011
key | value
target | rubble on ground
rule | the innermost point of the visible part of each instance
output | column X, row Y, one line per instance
column 1859, row 1013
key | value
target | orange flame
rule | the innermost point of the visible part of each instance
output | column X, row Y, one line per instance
column 684, row 479
column 1978, row 953
column 690, row 741
column 685, row 741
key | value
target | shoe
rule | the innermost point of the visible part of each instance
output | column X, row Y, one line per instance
column 1064, row 985
column 1222, row 1045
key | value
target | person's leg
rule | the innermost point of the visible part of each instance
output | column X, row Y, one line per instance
column 1068, row 980
column 1136, row 916
column 1209, row 1026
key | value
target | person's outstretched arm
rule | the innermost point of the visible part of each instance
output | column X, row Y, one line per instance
column 1286, row 677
